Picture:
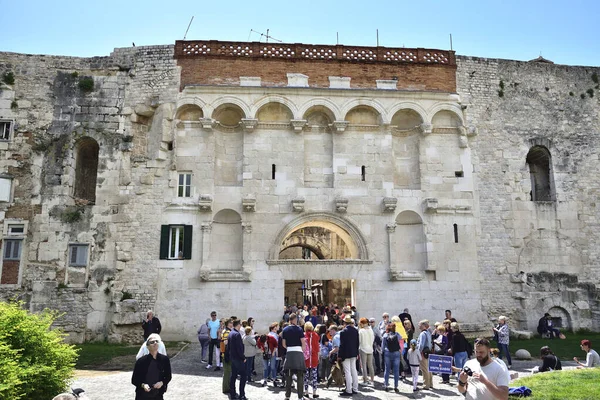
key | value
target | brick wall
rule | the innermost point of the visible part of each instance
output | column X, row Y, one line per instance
column 10, row 272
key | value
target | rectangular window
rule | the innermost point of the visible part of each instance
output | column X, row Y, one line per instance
column 5, row 189
column 78, row 255
column 176, row 242
column 5, row 128
column 16, row 229
column 184, row 187
column 12, row 249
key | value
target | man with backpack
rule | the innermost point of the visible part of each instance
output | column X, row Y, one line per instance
column 424, row 345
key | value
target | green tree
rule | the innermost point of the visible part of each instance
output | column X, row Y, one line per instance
column 35, row 362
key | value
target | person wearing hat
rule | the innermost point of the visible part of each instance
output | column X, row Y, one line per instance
column 152, row 372
column 348, row 354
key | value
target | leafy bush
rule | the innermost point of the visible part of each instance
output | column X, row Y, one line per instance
column 35, row 363
column 8, row 78
column 86, row 84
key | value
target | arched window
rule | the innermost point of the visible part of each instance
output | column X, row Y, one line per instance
column 86, row 169
column 540, row 167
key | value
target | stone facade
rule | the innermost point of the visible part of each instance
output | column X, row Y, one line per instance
column 406, row 182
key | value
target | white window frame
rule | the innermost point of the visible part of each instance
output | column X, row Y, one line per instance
column 6, row 129
column 80, row 261
column 13, row 227
column 6, row 181
column 176, row 242
column 184, row 184
column 5, row 247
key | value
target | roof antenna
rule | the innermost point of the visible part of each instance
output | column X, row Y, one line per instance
column 267, row 36
column 188, row 28
column 450, row 42
column 377, row 37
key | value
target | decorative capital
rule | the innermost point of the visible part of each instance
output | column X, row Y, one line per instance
column 426, row 129
column 207, row 123
column 249, row 124
column 389, row 204
column 247, row 227
column 298, row 124
column 206, row 227
column 298, row 205
column 205, row 203
column 340, row 126
column 472, row 130
column 249, row 204
column 431, row 204
column 341, row 205
column 391, row 228
column 462, row 130
column 463, row 142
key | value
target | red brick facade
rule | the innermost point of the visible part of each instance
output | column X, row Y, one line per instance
column 10, row 272
column 222, row 63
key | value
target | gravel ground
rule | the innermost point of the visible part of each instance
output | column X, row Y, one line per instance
column 192, row 381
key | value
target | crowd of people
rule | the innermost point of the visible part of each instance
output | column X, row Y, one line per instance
column 327, row 345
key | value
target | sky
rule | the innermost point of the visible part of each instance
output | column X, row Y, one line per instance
column 565, row 32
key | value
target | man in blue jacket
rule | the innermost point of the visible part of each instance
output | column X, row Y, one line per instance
column 347, row 354
column 235, row 348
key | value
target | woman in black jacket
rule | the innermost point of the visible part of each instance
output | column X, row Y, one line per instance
column 550, row 361
column 152, row 372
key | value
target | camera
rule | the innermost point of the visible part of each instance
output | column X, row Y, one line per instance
column 468, row 371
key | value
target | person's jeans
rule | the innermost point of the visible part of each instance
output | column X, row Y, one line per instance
column 392, row 361
column 366, row 365
column 214, row 344
column 249, row 365
column 504, row 350
column 270, row 368
column 324, row 368
column 377, row 358
column 238, row 367
column 204, row 346
column 405, row 358
column 351, row 374
column 289, row 381
column 460, row 359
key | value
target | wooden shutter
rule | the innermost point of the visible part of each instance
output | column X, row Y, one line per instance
column 164, row 242
column 187, row 242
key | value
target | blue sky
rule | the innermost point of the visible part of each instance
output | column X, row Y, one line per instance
column 564, row 32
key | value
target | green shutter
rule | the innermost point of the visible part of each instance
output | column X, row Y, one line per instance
column 164, row 242
column 187, row 242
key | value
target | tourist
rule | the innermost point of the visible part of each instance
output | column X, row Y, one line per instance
column 204, row 339
column 366, row 337
column 214, row 346
column 250, row 349
column 152, row 372
column 402, row 333
column 325, row 346
column 268, row 344
column 483, row 378
column 591, row 359
column 335, row 348
column 414, row 360
column 404, row 315
column 281, row 350
column 225, row 360
column 549, row 361
column 294, row 342
column 546, row 325
column 376, row 346
column 311, row 359
column 503, row 339
column 424, row 344
column 390, row 344
column 348, row 354
column 459, row 346
column 235, row 351
column 151, row 325
column 144, row 348
column 448, row 315
column 410, row 332
column 440, row 347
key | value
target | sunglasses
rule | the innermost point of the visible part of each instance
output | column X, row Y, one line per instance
column 152, row 341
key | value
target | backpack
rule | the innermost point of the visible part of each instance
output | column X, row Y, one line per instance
column 392, row 342
column 521, row 391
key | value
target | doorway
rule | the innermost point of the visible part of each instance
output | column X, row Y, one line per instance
column 317, row 291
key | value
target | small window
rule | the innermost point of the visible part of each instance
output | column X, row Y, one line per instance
column 176, row 242
column 5, row 188
column 363, row 173
column 5, row 130
column 455, row 233
column 78, row 255
column 273, row 170
column 184, row 187
column 12, row 249
column 16, row 229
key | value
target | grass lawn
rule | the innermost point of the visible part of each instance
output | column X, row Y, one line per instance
column 580, row 384
column 94, row 354
column 565, row 349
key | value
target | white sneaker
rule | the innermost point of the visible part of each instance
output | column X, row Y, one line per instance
column 208, row 366
column 203, row 361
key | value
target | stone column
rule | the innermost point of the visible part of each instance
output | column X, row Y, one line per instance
column 391, row 230
column 246, row 243
column 205, row 227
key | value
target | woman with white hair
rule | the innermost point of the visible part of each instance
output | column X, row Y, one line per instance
column 144, row 348
column 503, row 339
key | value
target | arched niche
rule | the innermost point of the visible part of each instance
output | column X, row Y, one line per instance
column 344, row 230
column 540, row 171
column 189, row 112
column 406, row 119
column 446, row 119
column 363, row 115
column 411, row 246
column 318, row 148
column 274, row 112
column 319, row 116
column 86, row 169
column 226, row 241
column 228, row 115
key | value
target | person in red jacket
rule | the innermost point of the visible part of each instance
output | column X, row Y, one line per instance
column 268, row 344
column 311, row 359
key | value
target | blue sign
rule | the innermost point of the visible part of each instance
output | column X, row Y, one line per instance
column 440, row 364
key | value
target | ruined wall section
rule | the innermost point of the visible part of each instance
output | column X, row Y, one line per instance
column 535, row 256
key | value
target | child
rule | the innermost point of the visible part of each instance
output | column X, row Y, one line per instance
column 414, row 359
